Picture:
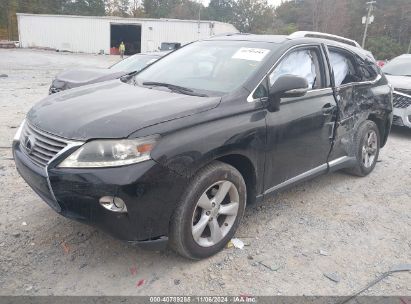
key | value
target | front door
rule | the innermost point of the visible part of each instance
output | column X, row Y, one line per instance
column 299, row 135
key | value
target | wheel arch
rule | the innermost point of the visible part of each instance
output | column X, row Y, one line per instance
column 247, row 169
column 384, row 127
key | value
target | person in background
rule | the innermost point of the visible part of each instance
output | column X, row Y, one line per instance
column 122, row 49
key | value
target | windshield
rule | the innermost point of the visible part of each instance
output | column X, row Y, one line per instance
column 212, row 66
column 400, row 66
column 134, row 63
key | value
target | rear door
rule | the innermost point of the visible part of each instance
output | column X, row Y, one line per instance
column 354, row 98
column 299, row 135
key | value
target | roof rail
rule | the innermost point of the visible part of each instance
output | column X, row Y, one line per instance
column 228, row 34
column 308, row 34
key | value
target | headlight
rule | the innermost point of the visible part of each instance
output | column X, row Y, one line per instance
column 110, row 153
column 19, row 130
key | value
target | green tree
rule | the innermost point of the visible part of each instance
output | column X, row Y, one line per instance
column 186, row 9
column 137, row 10
column 84, row 7
column 384, row 47
column 159, row 8
column 253, row 16
column 120, row 8
column 221, row 10
column 392, row 23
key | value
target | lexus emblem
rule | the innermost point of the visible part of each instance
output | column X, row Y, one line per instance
column 29, row 143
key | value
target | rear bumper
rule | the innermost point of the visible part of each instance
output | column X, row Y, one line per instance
column 402, row 117
column 149, row 190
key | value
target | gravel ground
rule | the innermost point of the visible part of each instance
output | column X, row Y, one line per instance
column 355, row 228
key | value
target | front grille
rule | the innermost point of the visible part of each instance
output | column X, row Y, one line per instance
column 401, row 101
column 40, row 146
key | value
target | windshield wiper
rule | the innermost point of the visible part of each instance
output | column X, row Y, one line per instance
column 128, row 75
column 167, row 85
column 174, row 88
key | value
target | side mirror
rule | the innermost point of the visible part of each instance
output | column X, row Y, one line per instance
column 286, row 86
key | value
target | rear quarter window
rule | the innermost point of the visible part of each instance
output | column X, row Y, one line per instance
column 369, row 70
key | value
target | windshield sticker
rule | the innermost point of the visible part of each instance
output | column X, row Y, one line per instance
column 252, row 54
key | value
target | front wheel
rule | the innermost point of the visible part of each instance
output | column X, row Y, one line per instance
column 367, row 145
column 209, row 212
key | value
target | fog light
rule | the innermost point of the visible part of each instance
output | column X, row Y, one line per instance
column 113, row 203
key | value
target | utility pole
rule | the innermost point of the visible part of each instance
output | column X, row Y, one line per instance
column 367, row 21
column 199, row 19
column 409, row 48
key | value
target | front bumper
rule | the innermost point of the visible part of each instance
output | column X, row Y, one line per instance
column 402, row 109
column 149, row 190
column 402, row 117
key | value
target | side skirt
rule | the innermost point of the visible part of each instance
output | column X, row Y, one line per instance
column 341, row 163
column 297, row 179
column 332, row 166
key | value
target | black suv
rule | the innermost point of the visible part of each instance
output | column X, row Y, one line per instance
column 176, row 152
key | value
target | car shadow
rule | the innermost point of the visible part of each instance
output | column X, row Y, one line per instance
column 274, row 203
column 401, row 132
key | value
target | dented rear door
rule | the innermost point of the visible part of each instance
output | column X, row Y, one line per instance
column 363, row 94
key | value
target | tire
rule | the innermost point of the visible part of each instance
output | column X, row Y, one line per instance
column 366, row 164
column 196, row 210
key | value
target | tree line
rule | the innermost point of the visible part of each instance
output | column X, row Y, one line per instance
column 389, row 35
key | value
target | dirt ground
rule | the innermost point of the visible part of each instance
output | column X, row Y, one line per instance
column 355, row 228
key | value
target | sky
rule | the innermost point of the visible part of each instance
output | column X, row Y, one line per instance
column 272, row 2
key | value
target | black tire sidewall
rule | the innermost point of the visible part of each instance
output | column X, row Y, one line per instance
column 204, row 179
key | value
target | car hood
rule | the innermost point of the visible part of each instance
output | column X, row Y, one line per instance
column 112, row 109
column 400, row 82
column 77, row 77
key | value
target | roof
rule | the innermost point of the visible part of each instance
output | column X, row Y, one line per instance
column 319, row 35
column 301, row 37
column 307, row 36
column 121, row 18
column 155, row 53
column 250, row 37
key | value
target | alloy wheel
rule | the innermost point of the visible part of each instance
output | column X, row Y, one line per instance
column 369, row 149
column 215, row 213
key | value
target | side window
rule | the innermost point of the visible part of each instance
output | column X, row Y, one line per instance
column 304, row 63
column 343, row 67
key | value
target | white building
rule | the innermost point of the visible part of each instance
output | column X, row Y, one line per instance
column 95, row 34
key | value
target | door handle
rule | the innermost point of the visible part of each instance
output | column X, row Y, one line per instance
column 328, row 108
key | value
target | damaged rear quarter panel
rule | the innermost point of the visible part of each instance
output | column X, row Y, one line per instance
column 357, row 103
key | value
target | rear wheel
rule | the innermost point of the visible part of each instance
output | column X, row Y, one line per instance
column 367, row 143
column 210, row 211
